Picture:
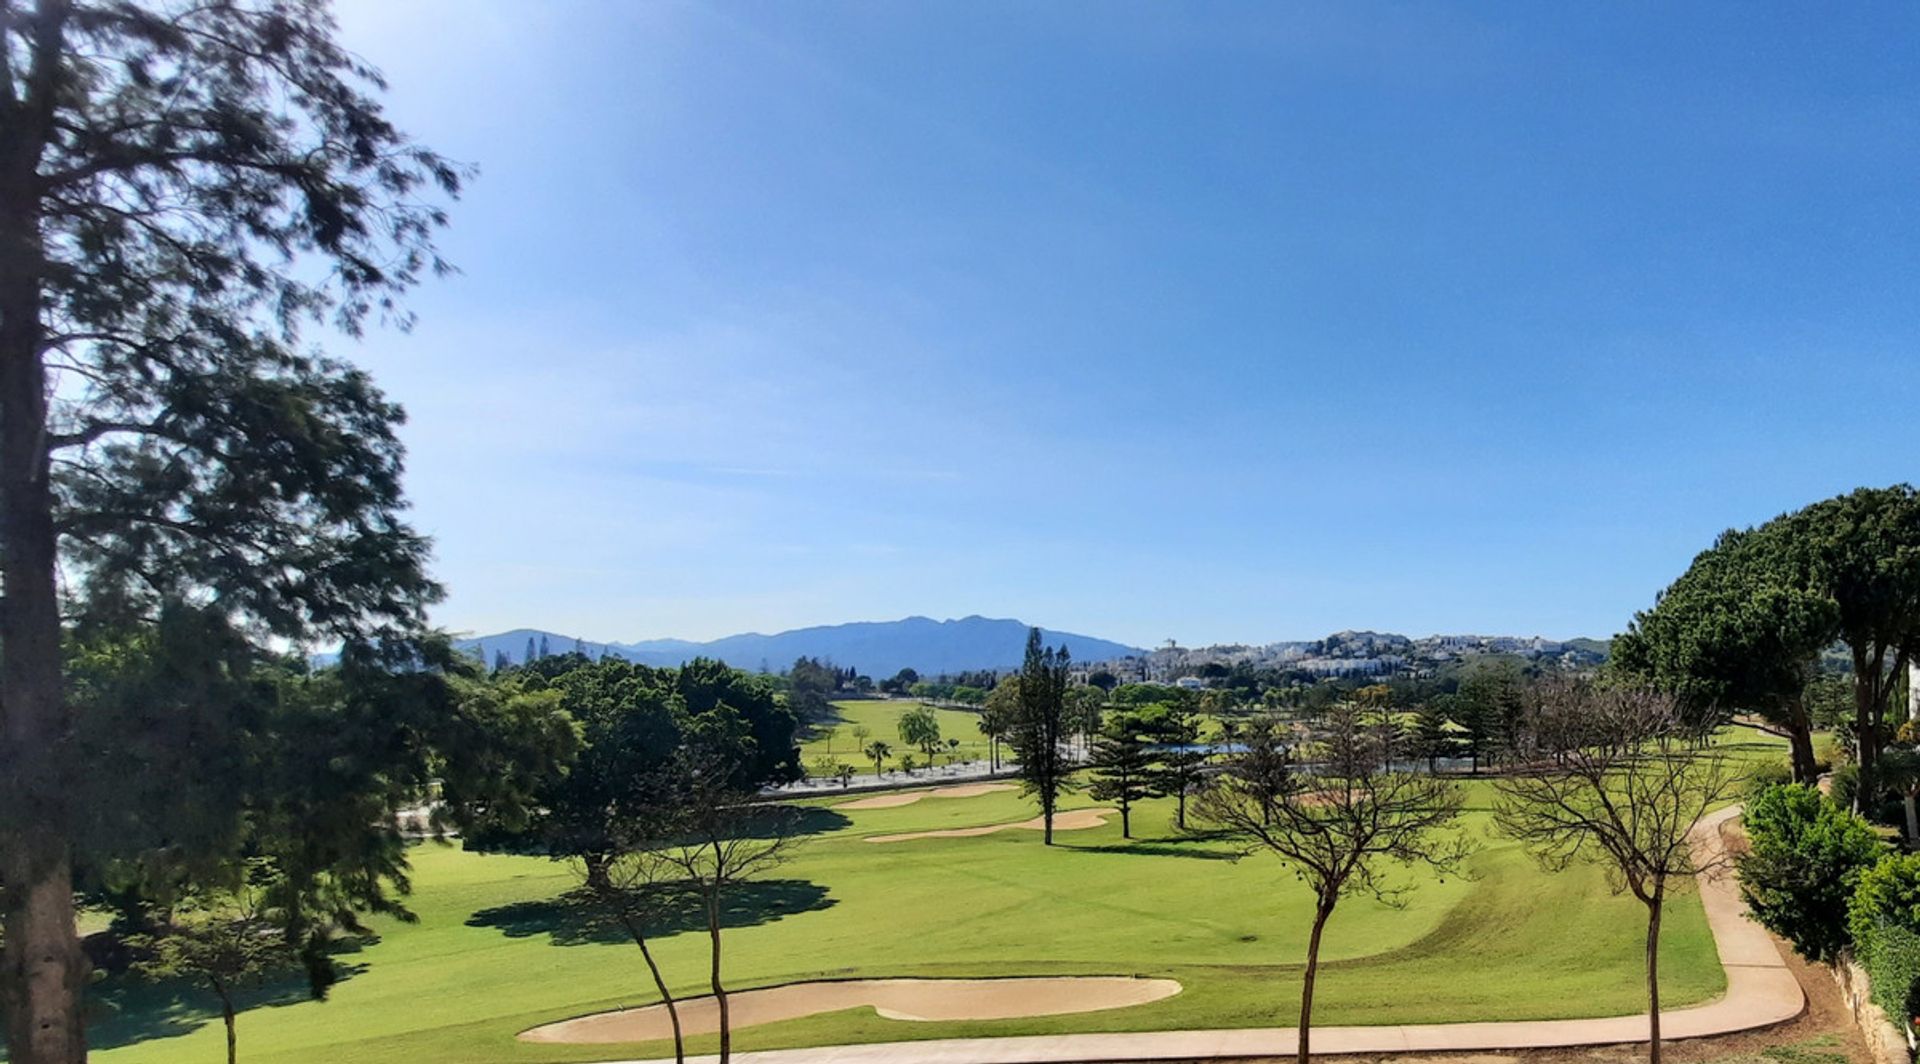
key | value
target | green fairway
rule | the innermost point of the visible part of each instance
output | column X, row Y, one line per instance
column 835, row 738
column 493, row 952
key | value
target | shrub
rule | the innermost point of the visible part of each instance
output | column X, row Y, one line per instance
column 1891, row 955
column 1887, row 893
column 1827, row 753
column 1846, row 780
column 1771, row 774
column 823, row 767
column 1806, row 860
column 1884, row 918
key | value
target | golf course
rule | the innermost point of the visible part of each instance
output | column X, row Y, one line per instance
column 840, row 737
column 505, row 944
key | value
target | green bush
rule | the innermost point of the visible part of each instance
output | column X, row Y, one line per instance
column 1887, row 893
column 1891, row 955
column 1806, row 857
column 1827, row 753
column 1770, row 774
column 1846, row 780
column 1884, row 919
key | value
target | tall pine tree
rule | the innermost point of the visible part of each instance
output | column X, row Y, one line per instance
column 184, row 191
column 1041, row 728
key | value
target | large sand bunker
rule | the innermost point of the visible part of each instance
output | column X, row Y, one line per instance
column 893, row 801
column 1073, row 820
column 895, row 999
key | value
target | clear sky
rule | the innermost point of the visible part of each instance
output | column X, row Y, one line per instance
column 1215, row 322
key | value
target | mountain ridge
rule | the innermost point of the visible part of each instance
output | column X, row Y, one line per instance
column 881, row 648
column 876, row 648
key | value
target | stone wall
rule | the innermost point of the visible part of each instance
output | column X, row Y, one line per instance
column 1885, row 1040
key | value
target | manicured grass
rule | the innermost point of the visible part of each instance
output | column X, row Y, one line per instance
column 881, row 718
column 492, row 954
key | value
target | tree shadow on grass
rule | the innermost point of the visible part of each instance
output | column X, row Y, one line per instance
column 124, row 1008
column 793, row 820
column 817, row 729
column 1156, row 849
column 581, row 917
column 1193, row 844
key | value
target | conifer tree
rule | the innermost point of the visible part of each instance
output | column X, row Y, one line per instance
column 1040, row 729
column 185, row 191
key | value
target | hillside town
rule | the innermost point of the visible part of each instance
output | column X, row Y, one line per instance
column 1342, row 654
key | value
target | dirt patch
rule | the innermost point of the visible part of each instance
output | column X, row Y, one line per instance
column 894, row 801
column 895, row 999
column 1073, row 820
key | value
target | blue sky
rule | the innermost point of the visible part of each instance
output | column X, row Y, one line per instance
column 1214, row 322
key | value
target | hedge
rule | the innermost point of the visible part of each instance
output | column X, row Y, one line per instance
column 1891, row 955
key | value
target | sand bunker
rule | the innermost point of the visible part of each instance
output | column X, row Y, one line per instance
column 893, row 801
column 895, row 999
column 1073, row 820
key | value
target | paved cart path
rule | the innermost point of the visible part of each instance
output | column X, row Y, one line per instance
column 1761, row 991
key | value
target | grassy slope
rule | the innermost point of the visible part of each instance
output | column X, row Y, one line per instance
column 1511, row 943
column 882, row 718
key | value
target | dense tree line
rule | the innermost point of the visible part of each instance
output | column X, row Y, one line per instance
column 632, row 721
column 811, row 685
column 1746, row 628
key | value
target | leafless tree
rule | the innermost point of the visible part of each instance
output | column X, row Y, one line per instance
column 636, row 884
column 725, row 838
column 1335, row 821
column 1615, row 777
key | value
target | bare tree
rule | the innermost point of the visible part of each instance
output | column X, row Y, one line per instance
column 1615, row 777
column 1335, row 822
column 724, row 839
column 636, row 884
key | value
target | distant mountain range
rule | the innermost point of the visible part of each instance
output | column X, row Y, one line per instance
column 876, row 648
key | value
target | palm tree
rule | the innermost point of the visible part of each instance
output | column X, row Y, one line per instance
column 879, row 751
column 996, row 717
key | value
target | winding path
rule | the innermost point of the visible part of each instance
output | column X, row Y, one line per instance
column 1761, row 991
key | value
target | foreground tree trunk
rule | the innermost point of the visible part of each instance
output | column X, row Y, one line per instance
column 1653, row 973
column 1805, row 768
column 42, row 970
column 1868, row 700
column 45, row 971
column 226, row 1015
column 597, row 876
column 1799, row 729
column 638, row 932
column 719, row 990
column 1320, row 915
